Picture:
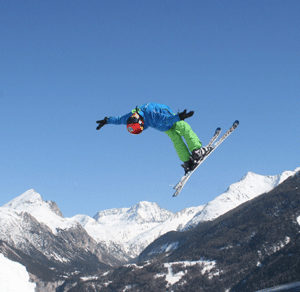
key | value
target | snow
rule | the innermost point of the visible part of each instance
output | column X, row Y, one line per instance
column 107, row 283
column 172, row 278
column 128, row 288
column 142, row 212
column 274, row 247
column 295, row 286
column 136, row 227
column 58, row 258
column 32, row 203
column 124, row 224
column 281, row 244
column 14, row 277
column 131, row 229
column 90, row 278
column 170, row 246
column 164, row 248
column 11, row 227
column 249, row 187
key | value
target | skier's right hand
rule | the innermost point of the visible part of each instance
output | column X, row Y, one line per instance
column 183, row 115
column 101, row 123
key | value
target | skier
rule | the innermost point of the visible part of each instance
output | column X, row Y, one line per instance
column 162, row 118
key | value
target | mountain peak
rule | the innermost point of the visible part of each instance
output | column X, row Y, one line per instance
column 148, row 212
column 143, row 205
column 46, row 212
column 27, row 200
column 142, row 212
column 253, row 184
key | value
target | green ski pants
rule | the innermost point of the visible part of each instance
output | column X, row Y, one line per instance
column 183, row 129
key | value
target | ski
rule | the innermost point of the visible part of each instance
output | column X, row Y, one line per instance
column 212, row 140
column 229, row 131
column 214, row 144
column 214, row 137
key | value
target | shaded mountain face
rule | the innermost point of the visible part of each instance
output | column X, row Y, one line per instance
column 251, row 247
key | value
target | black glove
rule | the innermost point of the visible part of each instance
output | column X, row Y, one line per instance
column 183, row 115
column 101, row 123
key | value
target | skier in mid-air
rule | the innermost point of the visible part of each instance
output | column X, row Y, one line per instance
column 162, row 118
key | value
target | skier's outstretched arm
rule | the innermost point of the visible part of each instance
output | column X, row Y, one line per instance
column 101, row 123
column 119, row 120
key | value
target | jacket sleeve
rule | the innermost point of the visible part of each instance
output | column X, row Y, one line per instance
column 171, row 119
column 167, row 118
column 119, row 120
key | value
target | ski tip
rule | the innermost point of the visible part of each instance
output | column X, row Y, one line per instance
column 236, row 123
column 217, row 131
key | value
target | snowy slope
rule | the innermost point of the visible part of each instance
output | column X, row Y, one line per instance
column 14, row 277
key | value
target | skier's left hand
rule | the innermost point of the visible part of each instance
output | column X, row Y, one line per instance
column 101, row 123
column 183, row 115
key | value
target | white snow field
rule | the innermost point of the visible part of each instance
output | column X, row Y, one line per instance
column 14, row 277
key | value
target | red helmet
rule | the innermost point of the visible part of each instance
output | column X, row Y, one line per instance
column 135, row 124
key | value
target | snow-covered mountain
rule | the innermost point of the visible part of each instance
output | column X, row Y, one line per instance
column 35, row 233
column 249, row 187
column 26, row 217
column 125, row 232
column 132, row 229
column 44, row 212
column 257, row 242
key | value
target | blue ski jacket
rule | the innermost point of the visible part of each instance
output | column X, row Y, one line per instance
column 157, row 116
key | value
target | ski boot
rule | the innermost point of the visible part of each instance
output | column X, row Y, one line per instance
column 200, row 153
column 196, row 157
column 189, row 165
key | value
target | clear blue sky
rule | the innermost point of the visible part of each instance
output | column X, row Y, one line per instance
column 66, row 64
